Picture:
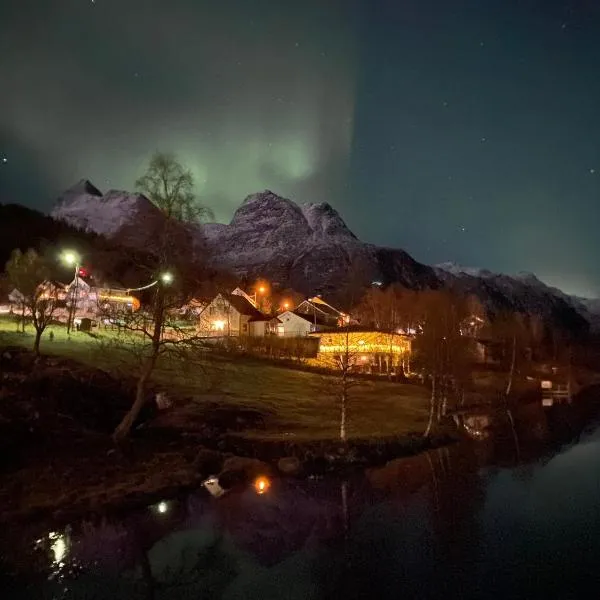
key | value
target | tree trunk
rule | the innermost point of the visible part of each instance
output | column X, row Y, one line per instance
column 343, row 412
column 22, row 319
column 512, row 366
column 36, row 341
column 124, row 427
column 431, row 407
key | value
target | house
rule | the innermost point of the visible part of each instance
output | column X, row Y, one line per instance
column 367, row 351
column 90, row 299
column 16, row 298
column 235, row 315
column 300, row 325
column 316, row 307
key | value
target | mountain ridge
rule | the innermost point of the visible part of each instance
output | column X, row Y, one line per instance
column 310, row 248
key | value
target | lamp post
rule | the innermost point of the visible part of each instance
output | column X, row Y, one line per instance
column 72, row 259
column 260, row 290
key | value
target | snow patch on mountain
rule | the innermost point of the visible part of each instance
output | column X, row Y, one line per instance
column 455, row 269
column 84, row 206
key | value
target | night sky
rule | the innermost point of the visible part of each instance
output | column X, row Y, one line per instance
column 457, row 130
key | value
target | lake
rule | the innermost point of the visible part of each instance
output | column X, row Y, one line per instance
column 515, row 514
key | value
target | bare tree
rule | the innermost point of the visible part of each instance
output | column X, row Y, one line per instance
column 442, row 350
column 511, row 332
column 343, row 359
column 170, row 186
column 29, row 273
column 148, row 337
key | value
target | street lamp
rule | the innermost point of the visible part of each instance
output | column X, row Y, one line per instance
column 261, row 289
column 72, row 259
column 166, row 278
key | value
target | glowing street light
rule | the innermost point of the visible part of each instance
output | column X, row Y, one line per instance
column 71, row 258
column 286, row 305
column 260, row 289
column 166, row 278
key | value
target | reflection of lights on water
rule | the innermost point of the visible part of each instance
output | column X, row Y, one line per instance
column 58, row 547
column 262, row 485
column 162, row 507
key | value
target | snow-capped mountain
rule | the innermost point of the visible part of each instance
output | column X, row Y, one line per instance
column 84, row 206
column 306, row 247
column 310, row 248
column 128, row 218
column 522, row 292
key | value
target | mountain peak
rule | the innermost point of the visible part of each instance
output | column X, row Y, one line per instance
column 456, row 269
column 324, row 220
column 83, row 187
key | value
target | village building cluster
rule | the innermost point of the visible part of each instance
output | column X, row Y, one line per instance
column 331, row 336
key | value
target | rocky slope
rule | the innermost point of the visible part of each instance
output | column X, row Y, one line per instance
column 310, row 248
column 523, row 292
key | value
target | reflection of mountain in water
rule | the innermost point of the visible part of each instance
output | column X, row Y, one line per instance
column 470, row 521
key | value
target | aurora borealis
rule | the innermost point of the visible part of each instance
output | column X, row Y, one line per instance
column 462, row 131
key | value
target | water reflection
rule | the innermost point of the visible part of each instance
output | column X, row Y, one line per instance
column 515, row 514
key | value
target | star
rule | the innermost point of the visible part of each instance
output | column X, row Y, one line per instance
column 483, row 139
column 592, row 171
column 4, row 160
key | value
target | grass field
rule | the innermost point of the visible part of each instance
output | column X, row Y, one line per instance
column 296, row 405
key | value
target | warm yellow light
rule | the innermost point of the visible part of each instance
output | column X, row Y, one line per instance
column 261, row 289
column 219, row 325
column 286, row 305
column 262, row 485
column 361, row 342
column 126, row 299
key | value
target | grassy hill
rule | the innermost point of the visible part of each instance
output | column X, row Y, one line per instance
column 294, row 405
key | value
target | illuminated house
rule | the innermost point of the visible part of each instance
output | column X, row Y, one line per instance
column 90, row 300
column 366, row 351
column 300, row 325
column 235, row 315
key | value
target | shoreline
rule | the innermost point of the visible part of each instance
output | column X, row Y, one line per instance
column 138, row 475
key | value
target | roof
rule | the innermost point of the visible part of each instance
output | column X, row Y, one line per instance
column 310, row 318
column 263, row 318
column 245, row 308
column 364, row 329
column 317, row 304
